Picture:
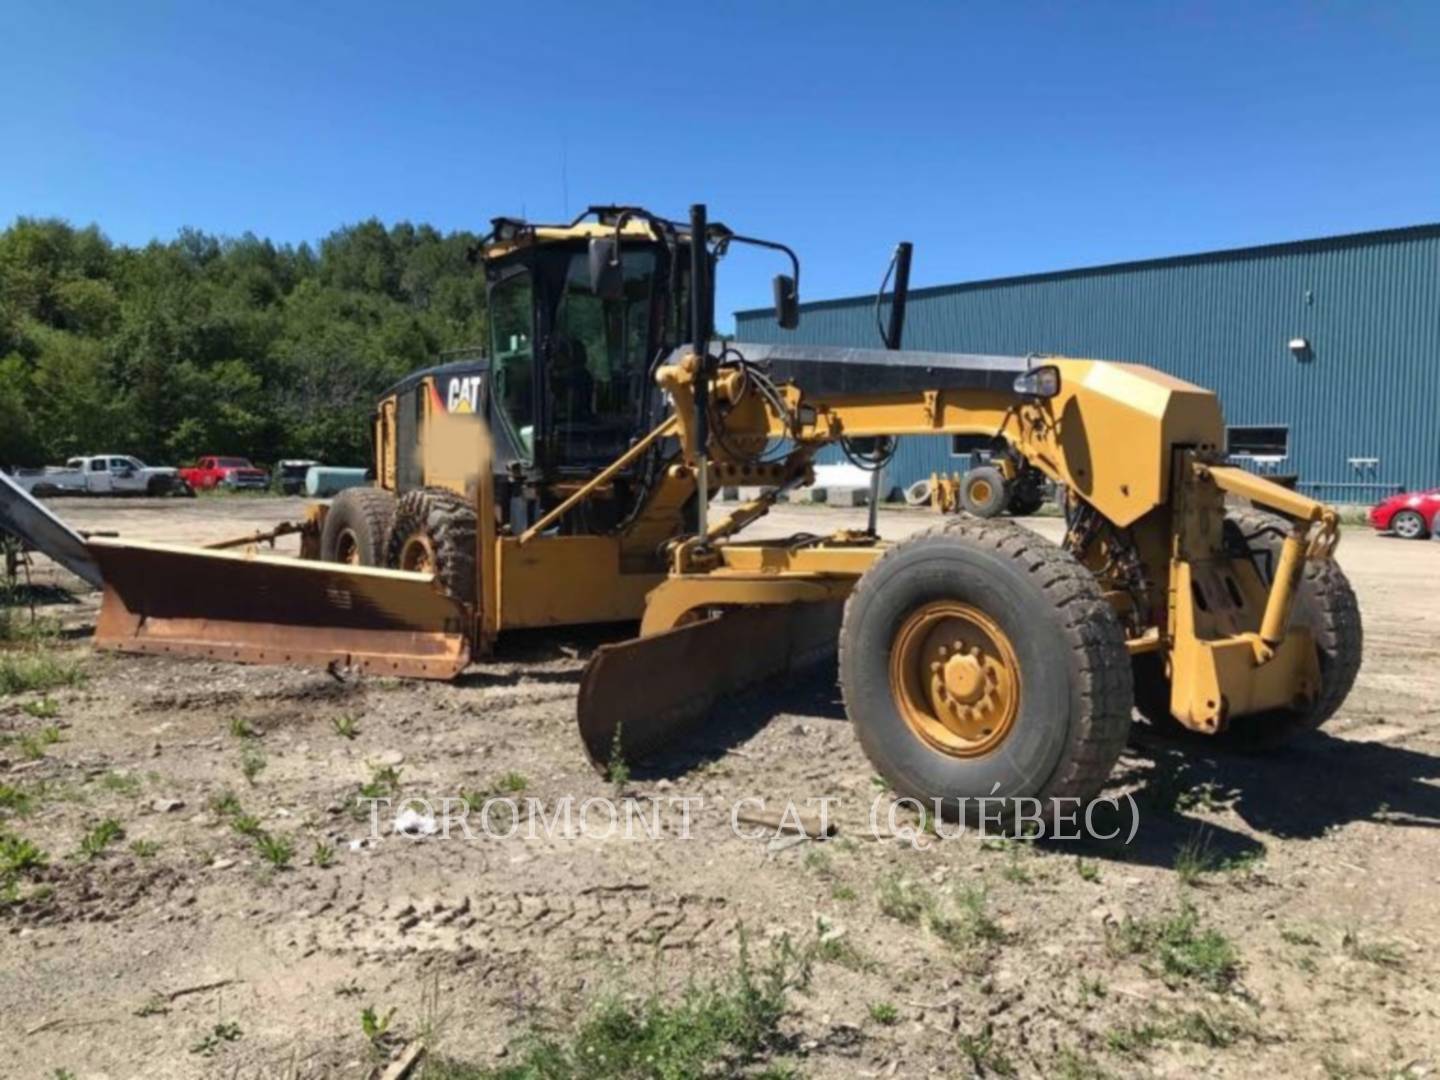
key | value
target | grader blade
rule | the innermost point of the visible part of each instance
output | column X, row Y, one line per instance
column 653, row 689
column 164, row 598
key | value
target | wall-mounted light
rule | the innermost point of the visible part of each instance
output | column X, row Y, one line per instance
column 1300, row 348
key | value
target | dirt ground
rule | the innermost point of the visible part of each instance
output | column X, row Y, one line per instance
column 178, row 950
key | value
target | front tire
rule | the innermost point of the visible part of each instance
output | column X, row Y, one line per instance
column 1027, row 693
column 357, row 527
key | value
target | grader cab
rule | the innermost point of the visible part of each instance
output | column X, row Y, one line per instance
column 566, row 478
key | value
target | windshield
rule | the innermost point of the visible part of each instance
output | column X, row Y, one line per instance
column 233, row 463
column 599, row 359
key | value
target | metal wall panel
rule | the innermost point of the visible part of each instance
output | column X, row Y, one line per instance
column 1369, row 305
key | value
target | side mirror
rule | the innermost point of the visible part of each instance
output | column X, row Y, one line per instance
column 1039, row 382
column 607, row 273
column 787, row 302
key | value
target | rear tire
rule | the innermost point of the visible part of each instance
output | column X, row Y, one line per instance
column 1408, row 525
column 357, row 527
column 434, row 532
column 1070, row 680
column 983, row 491
column 1324, row 603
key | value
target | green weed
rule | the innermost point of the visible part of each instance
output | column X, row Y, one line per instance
column 902, row 900
column 121, row 783
column 215, row 1038
column 1183, row 948
column 323, row 855
column 252, row 764
column 94, row 842
column 347, row 726
column 882, row 1012
column 23, row 672
column 15, row 800
column 276, row 850
column 44, row 709
column 144, row 849
column 721, row 1028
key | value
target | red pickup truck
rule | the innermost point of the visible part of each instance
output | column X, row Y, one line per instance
column 231, row 472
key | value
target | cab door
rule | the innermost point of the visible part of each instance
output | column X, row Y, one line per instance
column 97, row 476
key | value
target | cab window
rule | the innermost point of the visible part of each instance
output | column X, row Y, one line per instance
column 511, row 328
column 598, row 359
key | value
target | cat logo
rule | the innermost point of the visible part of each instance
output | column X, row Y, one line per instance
column 463, row 395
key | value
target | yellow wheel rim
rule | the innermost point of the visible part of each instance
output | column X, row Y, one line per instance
column 418, row 555
column 980, row 491
column 955, row 678
column 347, row 548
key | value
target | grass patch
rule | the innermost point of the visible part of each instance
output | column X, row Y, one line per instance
column 721, row 1028
column 902, row 900
column 19, row 856
column 885, row 1014
column 833, row 947
column 241, row 729
column 33, row 744
column 252, row 764
column 1183, row 949
column 215, row 1038
column 247, row 825
column 844, row 893
column 121, row 783
column 347, row 726
column 44, row 709
column 14, row 800
column 1087, row 869
column 94, row 842
column 144, row 849
column 1194, row 858
column 984, row 1056
column 1379, row 953
column 29, row 671
column 323, row 855
column 276, row 850
column 1216, row 1029
column 969, row 923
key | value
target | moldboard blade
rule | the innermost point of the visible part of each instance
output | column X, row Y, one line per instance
column 653, row 689
column 223, row 605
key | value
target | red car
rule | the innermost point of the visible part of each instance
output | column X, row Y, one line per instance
column 230, row 472
column 1409, row 515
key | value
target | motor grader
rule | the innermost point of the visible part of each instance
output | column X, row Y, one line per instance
column 566, row 479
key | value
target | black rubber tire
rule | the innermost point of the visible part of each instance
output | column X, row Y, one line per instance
column 1075, row 699
column 1416, row 523
column 1324, row 603
column 1027, row 494
column 448, row 520
column 997, row 495
column 361, row 516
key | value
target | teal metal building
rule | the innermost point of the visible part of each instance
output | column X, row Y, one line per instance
column 1325, row 353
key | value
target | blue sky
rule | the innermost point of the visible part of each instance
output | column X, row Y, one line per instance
column 1001, row 138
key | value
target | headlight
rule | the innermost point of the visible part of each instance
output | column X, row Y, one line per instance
column 1040, row 382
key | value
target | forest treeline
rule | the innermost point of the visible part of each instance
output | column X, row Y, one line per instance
column 208, row 344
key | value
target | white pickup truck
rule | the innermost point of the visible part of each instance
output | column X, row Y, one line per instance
column 103, row 474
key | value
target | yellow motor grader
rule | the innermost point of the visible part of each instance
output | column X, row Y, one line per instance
column 566, row 478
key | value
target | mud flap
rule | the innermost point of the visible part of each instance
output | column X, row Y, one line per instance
column 165, row 598
column 654, row 689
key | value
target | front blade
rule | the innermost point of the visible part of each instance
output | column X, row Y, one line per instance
column 655, row 688
column 165, row 598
